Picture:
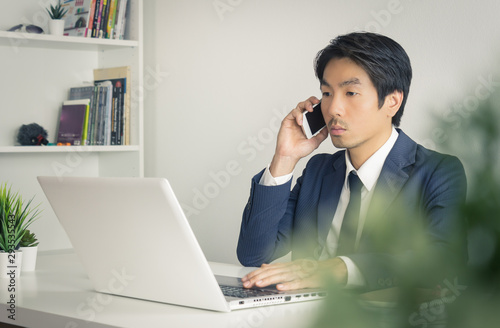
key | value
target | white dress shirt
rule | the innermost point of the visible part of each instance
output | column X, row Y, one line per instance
column 368, row 173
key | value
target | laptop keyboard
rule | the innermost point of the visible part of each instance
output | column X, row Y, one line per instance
column 241, row 292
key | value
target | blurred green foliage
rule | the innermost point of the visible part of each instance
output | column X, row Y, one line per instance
column 473, row 299
column 475, row 139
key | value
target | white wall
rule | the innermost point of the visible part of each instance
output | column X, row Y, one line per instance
column 218, row 81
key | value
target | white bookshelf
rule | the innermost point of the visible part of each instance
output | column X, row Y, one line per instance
column 37, row 72
column 47, row 40
column 67, row 149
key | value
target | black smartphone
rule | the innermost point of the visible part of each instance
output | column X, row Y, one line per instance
column 313, row 121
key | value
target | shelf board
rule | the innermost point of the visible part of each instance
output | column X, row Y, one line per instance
column 18, row 39
column 66, row 149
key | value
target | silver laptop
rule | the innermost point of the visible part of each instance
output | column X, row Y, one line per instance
column 134, row 240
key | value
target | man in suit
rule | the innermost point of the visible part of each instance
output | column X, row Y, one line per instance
column 402, row 187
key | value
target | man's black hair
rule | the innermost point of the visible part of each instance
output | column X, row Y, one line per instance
column 382, row 58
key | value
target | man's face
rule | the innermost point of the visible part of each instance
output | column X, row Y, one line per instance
column 350, row 108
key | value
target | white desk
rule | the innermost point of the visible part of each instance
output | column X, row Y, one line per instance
column 59, row 294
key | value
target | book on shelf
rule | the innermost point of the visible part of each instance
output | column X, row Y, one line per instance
column 118, row 112
column 111, row 19
column 107, row 19
column 103, row 22
column 108, row 115
column 73, row 122
column 95, row 18
column 102, row 126
column 85, row 92
column 121, row 14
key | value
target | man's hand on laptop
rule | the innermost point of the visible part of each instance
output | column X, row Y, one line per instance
column 298, row 274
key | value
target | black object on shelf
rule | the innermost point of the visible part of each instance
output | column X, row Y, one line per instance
column 32, row 135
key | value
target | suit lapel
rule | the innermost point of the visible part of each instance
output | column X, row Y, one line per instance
column 393, row 177
column 394, row 174
column 331, row 187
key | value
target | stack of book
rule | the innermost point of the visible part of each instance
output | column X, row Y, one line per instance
column 95, row 18
column 98, row 114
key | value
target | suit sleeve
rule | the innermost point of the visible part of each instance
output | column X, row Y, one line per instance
column 266, row 227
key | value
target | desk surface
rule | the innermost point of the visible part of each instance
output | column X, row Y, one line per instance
column 59, row 294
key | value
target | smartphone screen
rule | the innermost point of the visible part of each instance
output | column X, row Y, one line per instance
column 314, row 121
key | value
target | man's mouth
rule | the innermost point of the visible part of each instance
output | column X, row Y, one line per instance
column 337, row 130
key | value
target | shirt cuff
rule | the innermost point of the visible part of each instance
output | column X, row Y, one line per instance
column 268, row 180
column 355, row 278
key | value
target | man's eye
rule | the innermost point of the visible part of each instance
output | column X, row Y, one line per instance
column 349, row 93
column 326, row 94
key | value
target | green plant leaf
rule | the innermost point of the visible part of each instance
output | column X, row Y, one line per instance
column 12, row 207
column 56, row 12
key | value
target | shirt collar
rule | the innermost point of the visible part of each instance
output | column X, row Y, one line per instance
column 369, row 172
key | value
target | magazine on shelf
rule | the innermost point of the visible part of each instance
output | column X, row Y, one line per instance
column 72, row 122
column 77, row 18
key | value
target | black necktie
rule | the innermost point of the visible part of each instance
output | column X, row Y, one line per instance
column 349, row 229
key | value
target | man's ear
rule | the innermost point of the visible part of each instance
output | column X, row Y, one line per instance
column 393, row 102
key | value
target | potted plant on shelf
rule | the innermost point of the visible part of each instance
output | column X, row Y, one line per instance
column 15, row 217
column 56, row 23
column 29, row 247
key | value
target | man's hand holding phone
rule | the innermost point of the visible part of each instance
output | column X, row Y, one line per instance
column 292, row 144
